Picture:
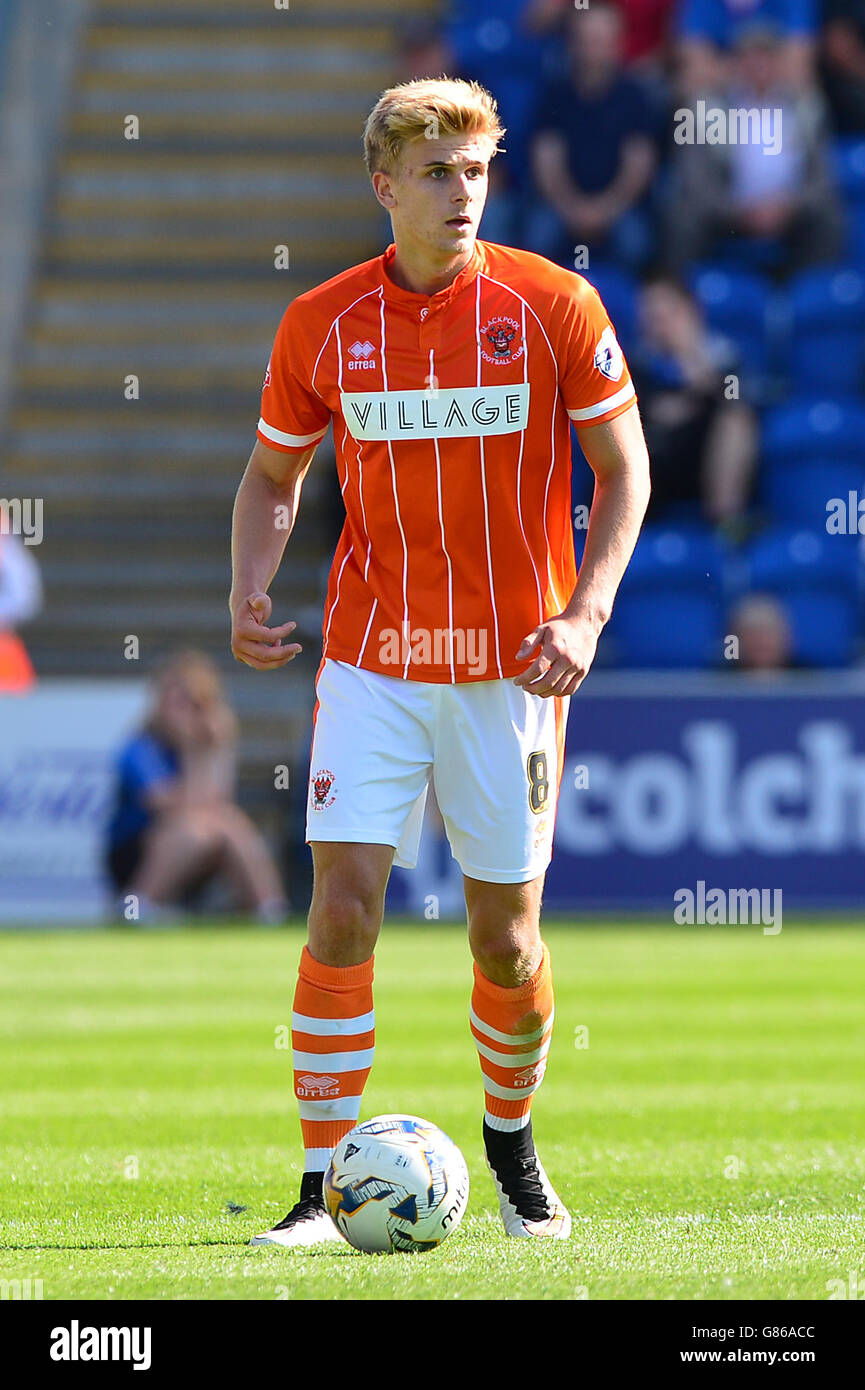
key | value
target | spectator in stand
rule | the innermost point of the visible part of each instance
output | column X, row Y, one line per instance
column 594, row 150
column 423, row 51
column 20, row 600
column 175, row 825
column 778, row 208
column 702, row 445
column 765, row 638
column 648, row 24
column 710, row 29
column 843, row 63
column 512, row 49
column 647, row 27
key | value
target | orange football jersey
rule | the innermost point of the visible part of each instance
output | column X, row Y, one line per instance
column 451, row 416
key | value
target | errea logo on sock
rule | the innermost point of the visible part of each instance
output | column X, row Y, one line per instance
column 77, row 1343
column 528, row 1076
column 317, row 1086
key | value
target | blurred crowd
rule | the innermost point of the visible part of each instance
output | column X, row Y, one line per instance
column 702, row 162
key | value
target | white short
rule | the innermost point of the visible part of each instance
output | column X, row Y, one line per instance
column 493, row 751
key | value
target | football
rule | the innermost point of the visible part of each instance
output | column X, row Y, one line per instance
column 396, row 1183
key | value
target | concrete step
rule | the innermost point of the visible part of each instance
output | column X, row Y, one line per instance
column 226, row 392
column 239, row 11
column 272, row 108
column 116, row 491
column 214, row 212
column 230, row 226
column 135, row 48
column 253, row 254
column 180, row 364
column 136, row 175
column 330, row 128
column 362, row 78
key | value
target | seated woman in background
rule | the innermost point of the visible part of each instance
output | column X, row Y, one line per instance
column 175, row 825
column 702, row 443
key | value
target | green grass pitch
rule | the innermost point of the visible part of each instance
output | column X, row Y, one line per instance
column 708, row 1139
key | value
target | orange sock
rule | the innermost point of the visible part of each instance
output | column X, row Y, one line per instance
column 333, row 1036
column 512, row 1060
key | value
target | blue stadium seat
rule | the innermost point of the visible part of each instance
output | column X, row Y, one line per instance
column 814, row 429
column 618, row 290
column 827, row 330
column 849, row 159
column 816, row 576
column 736, row 303
column 798, row 494
column 670, row 608
column 855, row 214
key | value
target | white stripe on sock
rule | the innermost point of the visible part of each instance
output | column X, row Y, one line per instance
column 322, row 1063
column 512, row 1039
column 496, row 1122
column 316, row 1160
column 339, row 1108
column 513, row 1060
column 333, row 1027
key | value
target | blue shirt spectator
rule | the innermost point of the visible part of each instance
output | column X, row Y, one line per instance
column 175, row 826
column 594, row 151
column 595, row 126
column 143, row 764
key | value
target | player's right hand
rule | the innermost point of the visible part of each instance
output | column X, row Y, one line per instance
column 255, row 644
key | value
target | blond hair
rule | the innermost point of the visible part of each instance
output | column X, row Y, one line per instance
column 430, row 106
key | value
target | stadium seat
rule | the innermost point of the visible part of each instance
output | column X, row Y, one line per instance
column 849, row 160
column 817, row 578
column 736, row 303
column 669, row 610
column 814, row 429
column 827, row 331
column 798, row 493
column 811, row 451
column 618, row 290
column 855, row 214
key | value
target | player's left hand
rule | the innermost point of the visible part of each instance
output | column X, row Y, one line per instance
column 567, row 650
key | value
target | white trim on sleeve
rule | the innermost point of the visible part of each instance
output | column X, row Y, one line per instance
column 592, row 411
column 293, row 441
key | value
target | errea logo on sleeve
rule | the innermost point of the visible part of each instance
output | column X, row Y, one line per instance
column 608, row 356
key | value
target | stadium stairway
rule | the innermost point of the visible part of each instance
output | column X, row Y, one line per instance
column 158, row 263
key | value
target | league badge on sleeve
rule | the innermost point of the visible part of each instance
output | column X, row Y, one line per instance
column 608, row 356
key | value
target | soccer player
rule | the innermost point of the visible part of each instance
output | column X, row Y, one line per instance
column 455, row 628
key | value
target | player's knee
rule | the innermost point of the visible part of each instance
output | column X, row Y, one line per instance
column 346, row 909
column 505, row 958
